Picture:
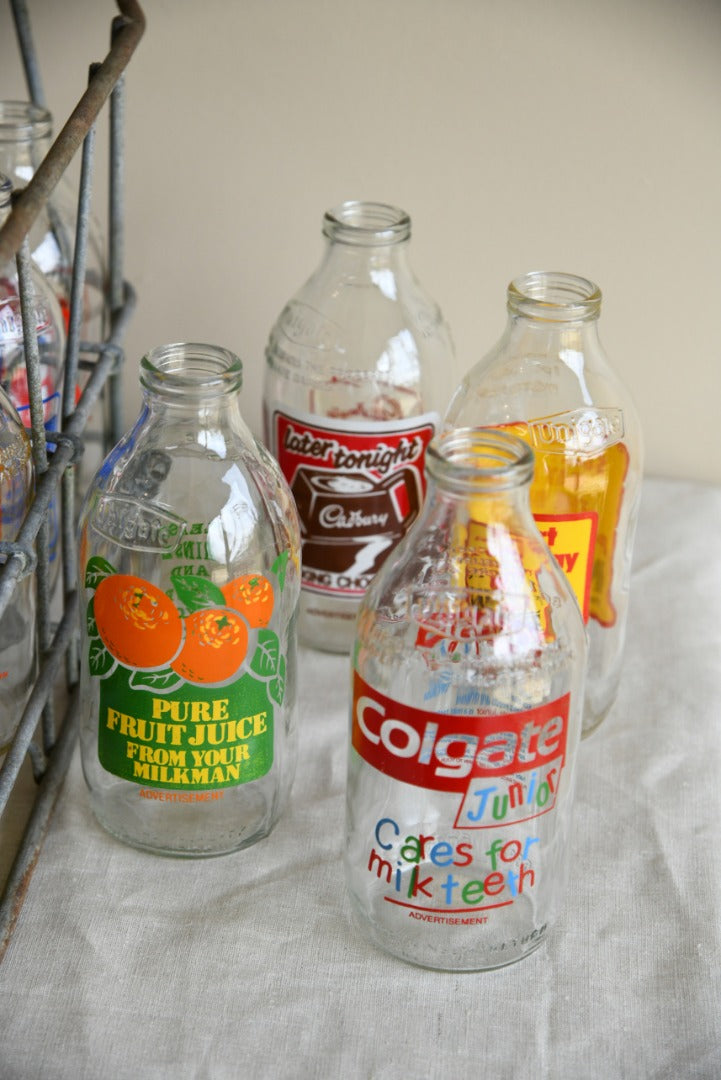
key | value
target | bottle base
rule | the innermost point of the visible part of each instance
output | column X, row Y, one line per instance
column 188, row 836
column 593, row 716
column 430, row 963
column 182, row 853
column 452, row 948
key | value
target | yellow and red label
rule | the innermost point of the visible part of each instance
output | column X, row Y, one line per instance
column 577, row 496
column 572, row 540
column 494, row 588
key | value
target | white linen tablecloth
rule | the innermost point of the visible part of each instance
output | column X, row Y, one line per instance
column 124, row 964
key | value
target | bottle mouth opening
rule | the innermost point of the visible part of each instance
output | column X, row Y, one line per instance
column 366, row 223
column 23, row 121
column 554, row 296
column 479, row 459
column 191, row 368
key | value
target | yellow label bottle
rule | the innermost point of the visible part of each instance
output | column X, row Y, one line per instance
column 548, row 381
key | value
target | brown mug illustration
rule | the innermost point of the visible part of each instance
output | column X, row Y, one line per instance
column 350, row 519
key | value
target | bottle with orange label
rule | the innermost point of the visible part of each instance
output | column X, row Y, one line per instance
column 548, row 381
column 189, row 558
column 467, row 696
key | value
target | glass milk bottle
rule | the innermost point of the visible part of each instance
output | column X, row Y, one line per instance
column 50, row 333
column 465, row 722
column 548, row 381
column 189, row 559
column 17, row 624
column 25, row 138
column 349, row 408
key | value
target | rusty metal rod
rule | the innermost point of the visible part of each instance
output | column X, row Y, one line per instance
column 32, row 198
column 27, row 856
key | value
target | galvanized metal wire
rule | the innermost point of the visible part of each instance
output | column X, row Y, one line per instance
column 48, row 741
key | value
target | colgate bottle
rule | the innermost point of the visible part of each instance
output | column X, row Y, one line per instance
column 466, row 717
column 349, row 408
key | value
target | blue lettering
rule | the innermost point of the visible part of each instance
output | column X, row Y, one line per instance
column 396, row 830
column 484, row 795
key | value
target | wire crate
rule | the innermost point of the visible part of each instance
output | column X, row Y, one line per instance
column 47, row 732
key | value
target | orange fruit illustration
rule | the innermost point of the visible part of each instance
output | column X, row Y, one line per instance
column 252, row 596
column 216, row 641
column 137, row 623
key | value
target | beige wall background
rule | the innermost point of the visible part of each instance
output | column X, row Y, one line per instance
column 519, row 134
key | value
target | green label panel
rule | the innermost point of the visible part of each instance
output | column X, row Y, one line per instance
column 191, row 738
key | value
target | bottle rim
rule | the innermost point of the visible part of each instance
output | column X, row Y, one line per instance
column 366, row 224
column 554, row 296
column 477, row 459
column 184, row 368
column 24, row 122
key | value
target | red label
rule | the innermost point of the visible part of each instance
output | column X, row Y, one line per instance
column 442, row 752
column 498, row 774
column 358, row 487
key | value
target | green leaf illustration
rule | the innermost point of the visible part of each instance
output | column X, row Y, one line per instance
column 276, row 686
column 160, row 682
column 90, row 618
column 96, row 570
column 266, row 656
column 279, row 568
column 195, row 592
column 100, row 661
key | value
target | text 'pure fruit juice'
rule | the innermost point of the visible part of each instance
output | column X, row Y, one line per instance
column 174, row 688
column 189, row 560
